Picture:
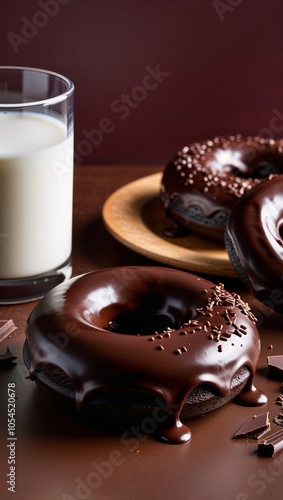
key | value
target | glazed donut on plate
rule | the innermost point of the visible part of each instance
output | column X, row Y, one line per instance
column 138, row 340
column 205, row 180
column 254, row 241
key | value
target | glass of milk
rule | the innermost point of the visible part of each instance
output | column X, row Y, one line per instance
column 36, row 182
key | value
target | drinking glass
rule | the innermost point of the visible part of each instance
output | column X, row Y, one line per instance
column 36, row 181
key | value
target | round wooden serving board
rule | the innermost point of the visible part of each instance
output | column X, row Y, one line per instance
column 134, row 215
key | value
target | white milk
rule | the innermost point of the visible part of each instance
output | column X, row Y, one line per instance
column 36, row 187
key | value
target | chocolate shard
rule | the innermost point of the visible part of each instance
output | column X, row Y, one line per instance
column 255, row 427
column 279, row 419
column 6, row 328
column 275, row 365
column 272, row 445
column 7, row 357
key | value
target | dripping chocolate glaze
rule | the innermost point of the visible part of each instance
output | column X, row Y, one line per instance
column 214, row 174
column 196, row 317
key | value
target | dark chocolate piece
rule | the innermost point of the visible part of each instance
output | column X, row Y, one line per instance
column 275, row 365
column 6, row 328
column 272, row 445
column 255, row 427
column 278, row 419
column 7, row 357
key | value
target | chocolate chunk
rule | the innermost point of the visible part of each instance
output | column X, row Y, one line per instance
column 7, row 357
column 272, row 445
column 278, row 419
column 275, row 365
column 255, row 427
column 6, row 328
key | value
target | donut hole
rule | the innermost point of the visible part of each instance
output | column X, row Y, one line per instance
column 266, row 166
column 140, row 305
column 248, row 162
column 261, row 167
column 140, row 322
column 146, row 316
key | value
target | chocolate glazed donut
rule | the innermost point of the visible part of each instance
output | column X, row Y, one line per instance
column 136, row 336
column 204, row 181
column 254, row 241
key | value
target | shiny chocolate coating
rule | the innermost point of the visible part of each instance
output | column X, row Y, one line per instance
column 205, row 180
column 145, row 329
column 254, row 241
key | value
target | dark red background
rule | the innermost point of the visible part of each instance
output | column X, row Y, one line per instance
column 225, row 68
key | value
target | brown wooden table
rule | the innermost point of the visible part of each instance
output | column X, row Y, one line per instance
column 60, row 457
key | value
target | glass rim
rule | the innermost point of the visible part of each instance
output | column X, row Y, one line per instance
column 41, row 102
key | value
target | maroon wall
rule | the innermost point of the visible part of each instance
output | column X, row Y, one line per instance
column 154, row 75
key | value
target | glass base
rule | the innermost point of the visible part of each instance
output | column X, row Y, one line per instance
column 17, row 291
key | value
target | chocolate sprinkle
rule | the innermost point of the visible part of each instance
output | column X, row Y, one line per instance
column 160, row 347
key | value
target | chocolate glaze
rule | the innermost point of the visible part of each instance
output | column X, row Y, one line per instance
column 210, row 334
column 254, row 236
column 204, row 181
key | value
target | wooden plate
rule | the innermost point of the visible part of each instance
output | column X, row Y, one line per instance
column 135, row 216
